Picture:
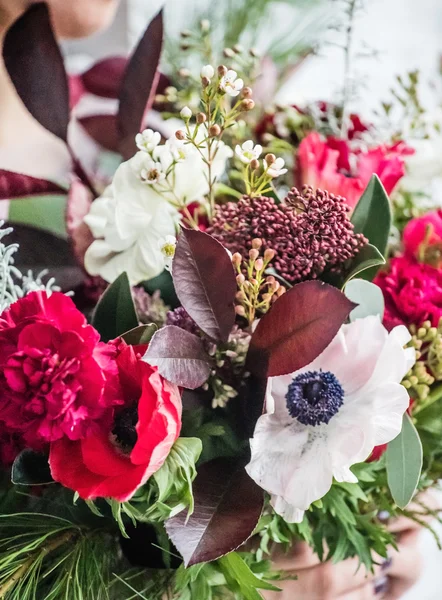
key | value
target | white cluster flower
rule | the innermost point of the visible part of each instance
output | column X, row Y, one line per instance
column 147, row 140
column 167, row 246
column 207, row 72
column 185, row 113
column 178, row 149
column 276, row 169
column 248, row 152
column 230, row 84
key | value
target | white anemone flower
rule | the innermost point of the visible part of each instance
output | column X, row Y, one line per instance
column 147, row 140
column 277, row 168
column 128, row 221
column 248, row 152
column 330, row 415
column 230, row 84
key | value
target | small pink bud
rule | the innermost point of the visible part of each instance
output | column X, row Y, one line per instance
column 214, row 130
column 222, row 70
column 256, row 243
column 201, row 118
column 254, row 164
column 236, row 259
column 253, row 254
column 270, row 159
column 247, row 92
column 240, row 279
column 269, row 254
column 240, row 310
column 259, row 264
column 180, row 135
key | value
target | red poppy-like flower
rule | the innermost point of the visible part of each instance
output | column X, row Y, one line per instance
column 116, row 460
column 56, row 378
column 412, row 292
column 422, row 238
column 332, row 165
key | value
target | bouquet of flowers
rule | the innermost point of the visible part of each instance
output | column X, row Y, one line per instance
column 259, row 367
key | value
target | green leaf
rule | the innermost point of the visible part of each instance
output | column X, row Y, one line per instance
column 367, row 296
column 241, row 579
column 115, row 312
column 404, row 463
column 140, row 335
column 372, row 215
column 31, row 468
column 174, row 479
column 164, row 283
column 369, row 256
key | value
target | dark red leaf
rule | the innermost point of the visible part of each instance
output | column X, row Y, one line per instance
column 105, row 77
column 139, row 85
column 298, row 327
column 35, row 65
column 205, row 283
column 18, row 185
column 180, row 357
column 228, row 505
column 102, row 129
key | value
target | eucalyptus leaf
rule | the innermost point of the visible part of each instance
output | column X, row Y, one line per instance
column 367, row 296
column 404, row 463
column 115, row 312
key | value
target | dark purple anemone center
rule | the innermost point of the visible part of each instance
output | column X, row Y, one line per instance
column 314, row 397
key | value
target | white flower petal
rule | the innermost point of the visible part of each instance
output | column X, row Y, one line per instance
column 285, row 510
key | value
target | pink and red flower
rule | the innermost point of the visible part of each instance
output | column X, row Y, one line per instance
column 57, row 379
column 422, row 238
column 412, row 292
column 332, row 165
column 116, row 460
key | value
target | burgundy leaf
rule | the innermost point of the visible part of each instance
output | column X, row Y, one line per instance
column 180, row 357
column 17, row 185
column 139, row 85
column 228, row 505
column 102, row 129
column 297, row 328
column 104, row 78
column 205, row 282
column 78, row 205
column 35, row 65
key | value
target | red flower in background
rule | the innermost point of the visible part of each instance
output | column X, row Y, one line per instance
column 332, row 165
column 116, row 460
column 422, row 238
column 412, row 293
column 56, row 378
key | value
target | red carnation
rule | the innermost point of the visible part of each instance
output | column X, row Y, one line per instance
column 331, row 164
column 116, row 460
column 57, row 379
column 412, row 293
column 423, row 238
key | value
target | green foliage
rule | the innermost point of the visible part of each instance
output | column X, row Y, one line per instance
column 368, row 257
column 240, row 578
column 404, row 463
column 345, row 520
column 115, row 312
column 372, row 215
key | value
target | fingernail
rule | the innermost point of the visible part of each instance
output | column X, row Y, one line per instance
column 384, row 516
column 380, row 585
column 386, row 564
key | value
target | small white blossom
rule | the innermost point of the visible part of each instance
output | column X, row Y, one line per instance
column 167, row 246
column 248, row 152
column 186, row 113
column 207, row 71
column 178, row 149
column 230, row 84
column 147, row 169
column 277, row 168
column 147, row 140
